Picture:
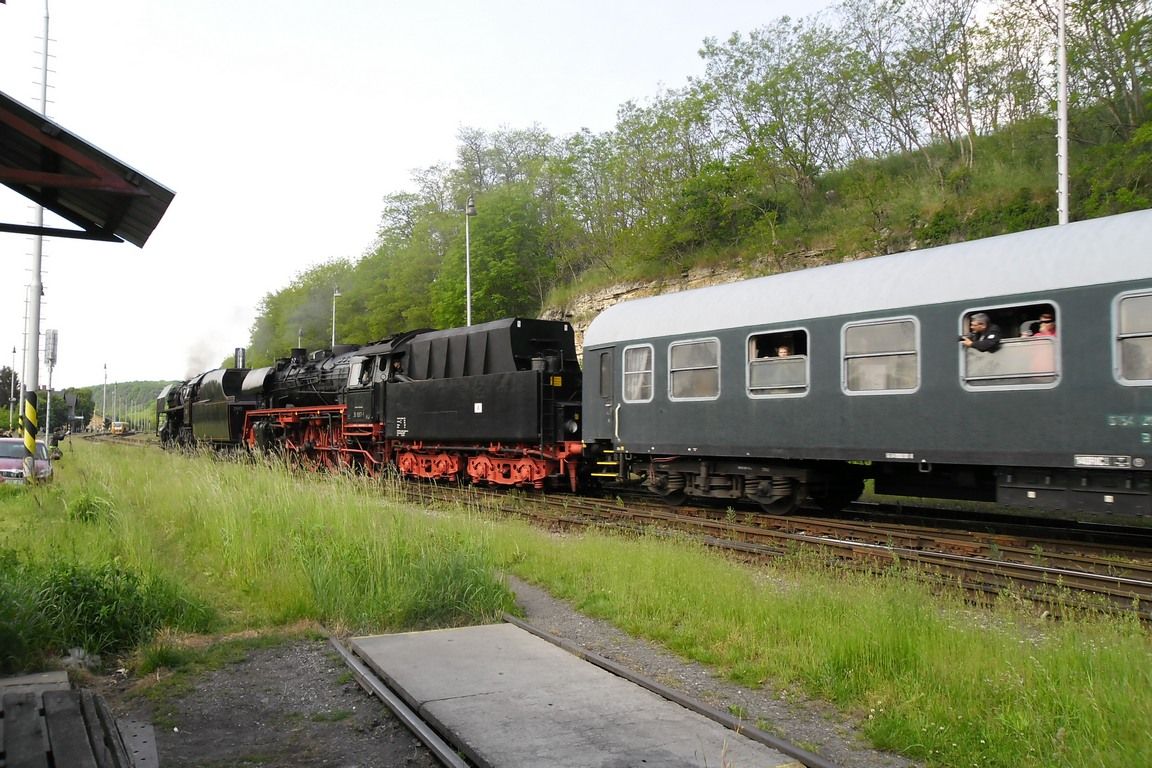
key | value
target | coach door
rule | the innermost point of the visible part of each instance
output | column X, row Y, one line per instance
column 605, row 414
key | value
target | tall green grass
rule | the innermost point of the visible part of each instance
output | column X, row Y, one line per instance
column 925, row 675
column 239, row 545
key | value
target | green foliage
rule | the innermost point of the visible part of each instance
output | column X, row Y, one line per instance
column 129, row 547
column 163, row 653
column 24, row 629
column 722, row 205
column 102, row 608
column 98, row 608
column 90, row 508
column 510, row 271
column 874, row 127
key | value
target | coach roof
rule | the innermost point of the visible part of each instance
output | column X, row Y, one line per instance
column 1097, row 251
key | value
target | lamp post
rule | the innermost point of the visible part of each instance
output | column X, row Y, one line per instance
column 12, row 389
column 335, row 293
column 469, row 212
column 104, row 407
column 1062, row 119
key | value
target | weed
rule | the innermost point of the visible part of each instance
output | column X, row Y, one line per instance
column 90, row 508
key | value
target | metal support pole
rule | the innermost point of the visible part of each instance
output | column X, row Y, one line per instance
column 1062, row 120
column 469, row 212
column 12, row 390
column 28, row 421
column 335, row 293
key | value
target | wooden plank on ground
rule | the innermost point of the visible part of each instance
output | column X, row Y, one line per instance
column 25, row 742
column 66, row 730
column 37, row 682
column 111, row 734
column 95, row 731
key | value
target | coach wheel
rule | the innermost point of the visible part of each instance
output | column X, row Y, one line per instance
column 669, row 486
column 780, row 495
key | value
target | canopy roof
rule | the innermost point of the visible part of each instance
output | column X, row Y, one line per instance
column 105, row 198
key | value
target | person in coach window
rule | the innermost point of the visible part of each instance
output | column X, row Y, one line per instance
column 982, row 334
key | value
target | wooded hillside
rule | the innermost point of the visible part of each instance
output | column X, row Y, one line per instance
column 876, row 126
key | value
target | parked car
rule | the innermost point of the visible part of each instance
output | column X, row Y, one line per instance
column 12, row 461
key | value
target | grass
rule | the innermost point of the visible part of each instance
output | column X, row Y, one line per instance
column 931, row 677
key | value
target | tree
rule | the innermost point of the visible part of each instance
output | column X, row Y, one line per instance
column 770, row 96
column 510, row 274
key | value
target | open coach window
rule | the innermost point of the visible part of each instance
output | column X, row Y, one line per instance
column 1028, row 353
column 778, row 364
column 1134, row 338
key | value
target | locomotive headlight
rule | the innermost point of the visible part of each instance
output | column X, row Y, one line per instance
column 571, row 426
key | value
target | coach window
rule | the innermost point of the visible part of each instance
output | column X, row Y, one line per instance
column 881, row 357
column 606, row 374
column 1028, row 353
column 694, row 370
column 638, row 374
column 1134, row 338
column 778, row 364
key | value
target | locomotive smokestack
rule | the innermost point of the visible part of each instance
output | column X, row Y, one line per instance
column 239, row 355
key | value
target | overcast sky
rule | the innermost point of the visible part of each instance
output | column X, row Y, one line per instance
column 281, row 125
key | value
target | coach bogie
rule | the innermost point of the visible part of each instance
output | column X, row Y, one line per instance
column 778, row 489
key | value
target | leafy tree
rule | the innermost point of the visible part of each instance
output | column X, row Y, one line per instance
column 510, row 275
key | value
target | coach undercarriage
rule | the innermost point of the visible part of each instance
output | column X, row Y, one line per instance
column 778, row 488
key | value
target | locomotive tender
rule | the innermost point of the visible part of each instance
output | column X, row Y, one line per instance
column 774, row 390
column 496, row 403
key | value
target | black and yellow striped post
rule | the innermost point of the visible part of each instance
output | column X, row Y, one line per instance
column 30, row 424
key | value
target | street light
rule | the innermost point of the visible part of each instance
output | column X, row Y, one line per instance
column 335, row 293
column 12, row 393
column 469, row 212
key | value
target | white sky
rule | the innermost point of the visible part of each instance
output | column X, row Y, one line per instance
column 280, row 125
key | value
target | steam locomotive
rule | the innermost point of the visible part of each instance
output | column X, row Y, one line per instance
column 692, row 394
column 497, row 403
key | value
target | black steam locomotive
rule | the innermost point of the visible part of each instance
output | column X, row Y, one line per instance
column 497, row 403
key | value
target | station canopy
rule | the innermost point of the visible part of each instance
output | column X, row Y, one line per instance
column 58, row 170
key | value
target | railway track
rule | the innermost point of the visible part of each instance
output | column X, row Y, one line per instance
column 1057, row 574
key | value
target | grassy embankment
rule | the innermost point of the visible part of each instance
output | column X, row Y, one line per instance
column 141, row 538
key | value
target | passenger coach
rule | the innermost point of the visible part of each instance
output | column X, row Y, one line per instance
column 803, row 385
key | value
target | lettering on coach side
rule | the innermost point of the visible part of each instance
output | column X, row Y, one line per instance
column 1140, row 421
column 1109, row 462
column 1129, row 420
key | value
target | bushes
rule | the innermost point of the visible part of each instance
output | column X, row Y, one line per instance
column 102, row 608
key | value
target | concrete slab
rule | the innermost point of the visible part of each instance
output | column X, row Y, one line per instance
column 507, row 698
